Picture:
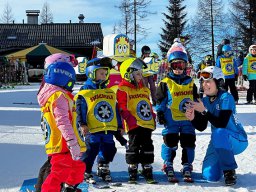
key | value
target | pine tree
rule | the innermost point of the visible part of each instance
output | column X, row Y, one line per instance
column 174, row 24
column 244, row 17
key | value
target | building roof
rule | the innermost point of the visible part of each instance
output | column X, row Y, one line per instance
column 56, row 34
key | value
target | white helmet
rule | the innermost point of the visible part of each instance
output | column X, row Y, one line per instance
column 176, row 40
column 252, row 47
column 214, row 73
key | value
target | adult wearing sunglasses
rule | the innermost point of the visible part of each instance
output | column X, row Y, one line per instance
column 208, row 61
column 172, row 94
column 228, row 65
column 228, row 137
column 249, row 73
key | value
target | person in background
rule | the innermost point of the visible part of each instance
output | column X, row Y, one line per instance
column 63, row 142
column 249, row 73
column 138, row 118
column 208, row 61
column 219, row 47
column 172, row 94
column 228, row 137
column 240, row 60
column 149, row 80
column 228, row 65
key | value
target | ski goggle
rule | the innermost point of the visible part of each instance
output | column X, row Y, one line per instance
column 253, row 49
column 205, row 75
column 181, row 65
column 227, row 53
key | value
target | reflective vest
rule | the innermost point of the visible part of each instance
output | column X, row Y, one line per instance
column 54, row 141
column 180, row 94
column 251, row 65
column 138, row 103
column 227, row 66
column 101, row 109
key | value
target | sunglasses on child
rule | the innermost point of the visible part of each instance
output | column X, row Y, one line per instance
column 181, row 65
column 205, row 75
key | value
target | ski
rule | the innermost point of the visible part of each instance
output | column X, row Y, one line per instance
column 106, row 185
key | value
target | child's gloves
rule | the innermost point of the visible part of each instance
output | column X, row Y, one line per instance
column 119, row 137
column 160, row 118
column 74, row 149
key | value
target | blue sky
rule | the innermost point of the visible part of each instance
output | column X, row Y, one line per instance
column 98, row 11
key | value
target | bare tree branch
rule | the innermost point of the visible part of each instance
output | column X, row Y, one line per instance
column 46, row 14
column 7, row 16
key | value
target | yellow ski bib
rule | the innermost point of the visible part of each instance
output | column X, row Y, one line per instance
column 101, row 109
column 54, row 142
column 138, row 103
column 251, row 65
column 227, row 66
column 180, row 94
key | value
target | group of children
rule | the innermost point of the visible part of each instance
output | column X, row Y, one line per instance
column 97, row 114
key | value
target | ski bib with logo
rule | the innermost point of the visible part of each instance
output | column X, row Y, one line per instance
column 101, row 112
column 180, row 95
column 227, row 66
column 54, row 142
column 252, row 65
column 138, row 103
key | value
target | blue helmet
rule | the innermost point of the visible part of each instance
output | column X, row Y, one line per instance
column 61, row 74
column 178, row 55
column 97, row 63
column 226, row 48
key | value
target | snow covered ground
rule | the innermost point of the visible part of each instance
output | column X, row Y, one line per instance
column 22, row 148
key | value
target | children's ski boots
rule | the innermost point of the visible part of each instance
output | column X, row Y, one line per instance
column 147, row 173
column 230, row 177
column 69, row 188
column 186, row 171
column 88, row 177
column 169, row 171
column 133, row 173
column 104, row 172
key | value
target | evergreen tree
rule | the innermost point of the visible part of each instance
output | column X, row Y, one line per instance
column 174, row 24
column 243, row 13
